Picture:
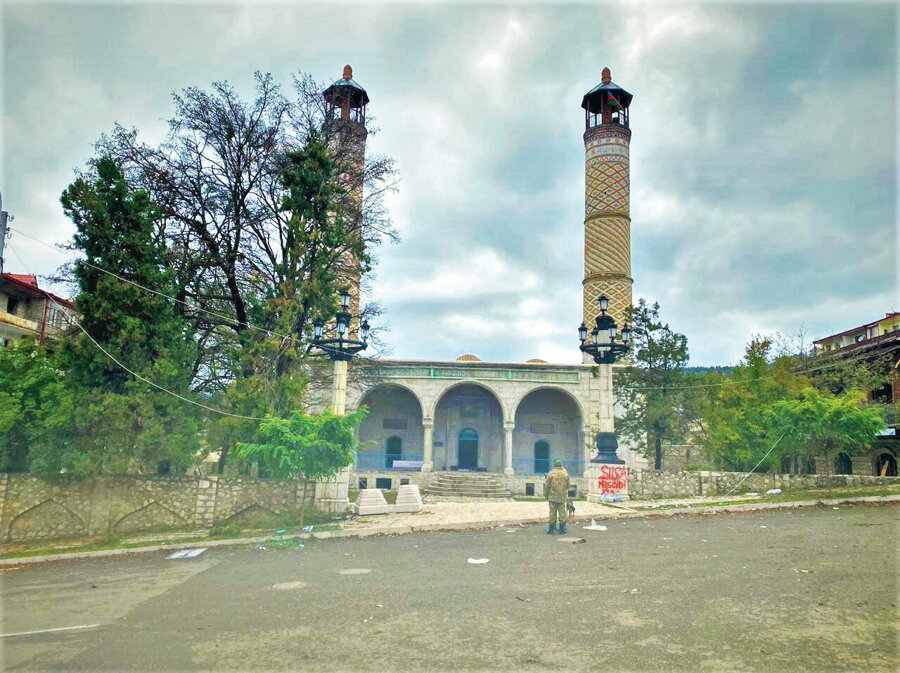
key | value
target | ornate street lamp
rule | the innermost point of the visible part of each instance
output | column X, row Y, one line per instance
column 340, row 349
column 602, row 346
column 605, row 350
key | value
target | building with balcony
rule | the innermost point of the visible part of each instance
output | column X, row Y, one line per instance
column 878, row 343
column 27, row 310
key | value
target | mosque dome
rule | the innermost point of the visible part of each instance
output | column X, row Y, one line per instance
column 468, row 357
column 535, row 361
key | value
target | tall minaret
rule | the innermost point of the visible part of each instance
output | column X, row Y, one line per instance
column 345, row 122
column 607, row 212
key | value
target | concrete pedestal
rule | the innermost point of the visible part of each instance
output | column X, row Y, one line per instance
column 408, row 499
column 371, row 501
column 607, row 479
column 331, row 495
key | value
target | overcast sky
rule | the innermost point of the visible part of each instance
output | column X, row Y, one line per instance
column 763, row 155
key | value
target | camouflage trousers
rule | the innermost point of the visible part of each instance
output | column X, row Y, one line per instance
column 558, row 513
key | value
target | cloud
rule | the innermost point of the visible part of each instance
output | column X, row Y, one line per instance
column 763, row 164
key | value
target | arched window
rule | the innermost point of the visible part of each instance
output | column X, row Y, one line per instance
column 541, row 457
column 393, row 450
column 843, row 464
column 886, row 465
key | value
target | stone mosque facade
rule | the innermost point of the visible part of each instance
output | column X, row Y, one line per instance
column 510, row 420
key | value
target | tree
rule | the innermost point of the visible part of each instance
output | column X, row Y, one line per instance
column 34, row 403
column 825, row 424
column 263, row 215
column 231, row 188
column 735, row 433
column 121, row 423
column 313, row 446
column 652, row 390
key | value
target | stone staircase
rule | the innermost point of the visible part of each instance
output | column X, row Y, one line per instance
column 449, row 485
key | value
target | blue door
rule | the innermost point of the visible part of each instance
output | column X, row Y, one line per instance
column 392, row 451
column 541, row 457
column 468, row 450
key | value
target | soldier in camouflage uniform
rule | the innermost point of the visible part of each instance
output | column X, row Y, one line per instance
column 556, row 490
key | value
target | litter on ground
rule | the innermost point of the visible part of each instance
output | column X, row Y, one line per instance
column 187, row 553
column 571, row 540
column 773, row 491
column 594, row 526
column 478, row 561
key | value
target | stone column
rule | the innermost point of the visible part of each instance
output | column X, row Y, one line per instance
column 428, row 445
column 824, row 465
column 339, row 387
column 332, row 494
column 508, row 428
column 607, row 422
column 862, row 465
column 588, row 448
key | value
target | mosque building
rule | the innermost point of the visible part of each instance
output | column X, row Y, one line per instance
column 475, row 427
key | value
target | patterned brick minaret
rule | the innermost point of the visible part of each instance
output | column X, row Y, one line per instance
column 345, row 103
column 607, row 212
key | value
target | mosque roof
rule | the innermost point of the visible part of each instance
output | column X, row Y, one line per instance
column 468, row 357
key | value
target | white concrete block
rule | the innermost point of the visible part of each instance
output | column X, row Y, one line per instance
column 408, row 499
column 371, row 501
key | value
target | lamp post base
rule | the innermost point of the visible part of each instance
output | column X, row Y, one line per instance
column 332, row 495
column 607, row 481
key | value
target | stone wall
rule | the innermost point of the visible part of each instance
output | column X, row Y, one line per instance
column 652, row 484
column 32, row 509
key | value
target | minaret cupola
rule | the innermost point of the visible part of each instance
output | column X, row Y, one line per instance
column 606, row 103
column 346, row 99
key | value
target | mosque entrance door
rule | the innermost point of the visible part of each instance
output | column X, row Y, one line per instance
column 541, row 457
column 468, row 450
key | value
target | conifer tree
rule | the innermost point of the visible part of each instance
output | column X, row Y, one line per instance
column 123, row 423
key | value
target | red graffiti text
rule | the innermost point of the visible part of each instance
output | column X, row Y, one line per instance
column 613, row 479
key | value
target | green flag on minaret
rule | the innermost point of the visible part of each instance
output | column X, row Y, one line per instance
column 611, row 100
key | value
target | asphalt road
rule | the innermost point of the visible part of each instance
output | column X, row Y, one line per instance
column 811, row 590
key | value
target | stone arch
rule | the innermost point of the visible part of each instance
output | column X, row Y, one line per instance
column 554, row 416
column 151, row 515
column 468, row 382
column 254, row 515
column 843, row 464
column 396, row 414
column 476, row 406
column 549, row 386
column 47, row 519
column 386, row 384
column 883, row 457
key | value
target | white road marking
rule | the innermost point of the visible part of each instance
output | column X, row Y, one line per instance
column 62, row 628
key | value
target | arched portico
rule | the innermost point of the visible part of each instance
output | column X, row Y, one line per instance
column 468, row 429
column 549, row 425
column 393, row 429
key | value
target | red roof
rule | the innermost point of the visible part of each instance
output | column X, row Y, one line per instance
column 29, row 283
column 21, row 277
column 858, row 329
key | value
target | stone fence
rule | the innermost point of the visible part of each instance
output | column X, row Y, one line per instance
column 33, row 509
column 652, row 484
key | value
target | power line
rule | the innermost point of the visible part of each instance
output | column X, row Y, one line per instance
column 757, row 465
column 157, row 292
column 78, row 324
column 287, row 336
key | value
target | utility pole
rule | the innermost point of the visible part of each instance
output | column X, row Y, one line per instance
column 4, row 230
